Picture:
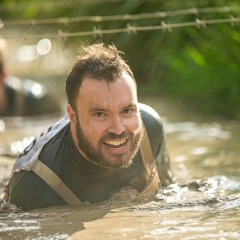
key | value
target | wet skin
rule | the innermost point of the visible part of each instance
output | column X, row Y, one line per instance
column 106, row 126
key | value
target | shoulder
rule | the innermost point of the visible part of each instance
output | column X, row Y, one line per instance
column 47, row 140
column 150, row 116
column 31, row 97
column 28, row 87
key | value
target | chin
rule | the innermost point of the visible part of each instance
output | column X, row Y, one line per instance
column 121, row 164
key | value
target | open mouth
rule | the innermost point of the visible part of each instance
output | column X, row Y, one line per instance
column 116, row 144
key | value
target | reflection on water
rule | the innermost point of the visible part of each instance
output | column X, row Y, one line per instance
column 204, row 204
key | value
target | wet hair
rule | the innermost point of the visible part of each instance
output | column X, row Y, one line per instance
column 98, row 61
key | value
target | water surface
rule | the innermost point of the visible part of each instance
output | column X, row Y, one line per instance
column 203, row 204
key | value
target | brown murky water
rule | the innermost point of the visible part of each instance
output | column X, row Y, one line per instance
column 205, row 204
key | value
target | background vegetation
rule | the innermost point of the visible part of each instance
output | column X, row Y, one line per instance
column 198, row 66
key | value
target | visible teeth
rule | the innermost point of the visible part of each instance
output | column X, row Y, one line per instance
column 116, row 142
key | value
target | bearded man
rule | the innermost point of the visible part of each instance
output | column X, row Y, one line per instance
column 95, row 150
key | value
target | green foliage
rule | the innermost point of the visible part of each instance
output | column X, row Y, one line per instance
column 198, row 66
column 205, row 73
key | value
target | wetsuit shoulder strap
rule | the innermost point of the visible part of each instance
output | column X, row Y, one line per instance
column 55, row 183
column 152, row 178
column 146, row 151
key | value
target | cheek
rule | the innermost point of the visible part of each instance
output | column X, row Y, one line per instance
column 134, row 124
column 94, row 131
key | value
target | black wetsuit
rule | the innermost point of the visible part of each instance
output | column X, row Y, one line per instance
column 88, row 181
column 28, row 98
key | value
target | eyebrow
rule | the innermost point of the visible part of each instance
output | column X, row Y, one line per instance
column 96, row 109
column 100, row 109
column 131, row 106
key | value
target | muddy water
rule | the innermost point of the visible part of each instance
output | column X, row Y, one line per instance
column 204, row 204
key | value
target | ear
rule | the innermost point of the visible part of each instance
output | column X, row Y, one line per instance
column 72, row 114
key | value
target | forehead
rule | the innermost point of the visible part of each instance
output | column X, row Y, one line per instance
column 100, row 93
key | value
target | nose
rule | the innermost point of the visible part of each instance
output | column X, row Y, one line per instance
column 116, row 125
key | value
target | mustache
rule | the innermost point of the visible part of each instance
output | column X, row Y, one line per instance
column 114, row 136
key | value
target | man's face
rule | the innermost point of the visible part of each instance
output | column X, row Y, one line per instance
column 107, row 126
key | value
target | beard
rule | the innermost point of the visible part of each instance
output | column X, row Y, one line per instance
column 96, row 155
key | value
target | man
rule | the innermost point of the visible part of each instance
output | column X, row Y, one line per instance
column 93, row 152
column 22, row 97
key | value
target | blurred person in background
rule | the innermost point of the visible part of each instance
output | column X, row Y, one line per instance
column 22, row 97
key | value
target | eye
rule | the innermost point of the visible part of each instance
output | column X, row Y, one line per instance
column 99, row 114
column 128, row 110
